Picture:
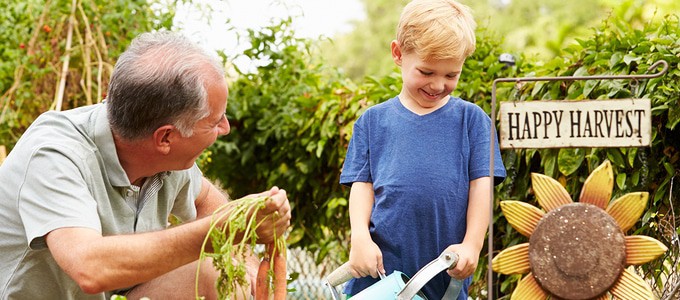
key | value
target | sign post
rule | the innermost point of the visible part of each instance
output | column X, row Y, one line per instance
column 553, row 124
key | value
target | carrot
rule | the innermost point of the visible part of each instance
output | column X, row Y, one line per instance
column 279, row 262
column 262, row 280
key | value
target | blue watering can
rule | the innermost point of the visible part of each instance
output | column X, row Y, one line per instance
column 398, row 285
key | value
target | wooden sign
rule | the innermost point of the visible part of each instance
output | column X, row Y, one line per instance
column 585, row 123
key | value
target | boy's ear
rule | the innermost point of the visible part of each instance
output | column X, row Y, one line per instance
column 396, row 53
column 163, row 138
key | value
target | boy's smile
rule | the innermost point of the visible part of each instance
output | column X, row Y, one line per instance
column 426, row 83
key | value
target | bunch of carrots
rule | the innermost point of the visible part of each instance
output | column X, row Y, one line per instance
column 229, row 254
column 272, row 266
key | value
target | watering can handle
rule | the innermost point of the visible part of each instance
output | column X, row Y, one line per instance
column 340, row 275
column 445, row 261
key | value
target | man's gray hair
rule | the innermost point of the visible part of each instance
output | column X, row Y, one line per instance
column 160, row 79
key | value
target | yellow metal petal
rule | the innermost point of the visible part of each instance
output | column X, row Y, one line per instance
column 522, row 216
column 597, row 189
column 627, row 209
column 549, row 193
column 528, row 289
column 631, row 287
column 641, row 249
column 513, row 260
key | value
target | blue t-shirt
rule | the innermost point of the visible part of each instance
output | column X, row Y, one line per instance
column 421, row 168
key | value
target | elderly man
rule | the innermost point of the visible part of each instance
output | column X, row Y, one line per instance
column 85, row 194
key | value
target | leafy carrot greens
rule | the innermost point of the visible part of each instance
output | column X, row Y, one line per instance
column 233, row 236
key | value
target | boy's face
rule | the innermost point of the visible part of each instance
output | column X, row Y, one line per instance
column 426, row 83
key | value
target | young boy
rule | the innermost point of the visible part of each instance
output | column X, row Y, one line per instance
column 418, row 164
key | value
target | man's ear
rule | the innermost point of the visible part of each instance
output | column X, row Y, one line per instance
column 163, row 138
column 396, row 53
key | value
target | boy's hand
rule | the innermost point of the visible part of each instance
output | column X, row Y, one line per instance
column 365, row 258
column 468, row 257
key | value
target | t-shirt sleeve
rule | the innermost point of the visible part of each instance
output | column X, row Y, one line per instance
column 356, row 167
column 184, row 206
column 54, row 195
column 480, row 142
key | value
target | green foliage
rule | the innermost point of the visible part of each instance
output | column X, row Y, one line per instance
column 366, row 50
column 516, row 22
column 289, row 121
column 36, row 35
column 536, row 28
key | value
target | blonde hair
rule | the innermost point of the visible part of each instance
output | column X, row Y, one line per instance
column 437, row 29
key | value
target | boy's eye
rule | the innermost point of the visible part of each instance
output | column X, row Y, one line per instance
column 452, row 76
column 425, row 72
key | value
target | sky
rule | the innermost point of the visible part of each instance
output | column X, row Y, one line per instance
column 311, row 19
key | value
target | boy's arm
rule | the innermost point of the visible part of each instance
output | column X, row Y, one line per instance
column 360, row 207
column 365, row 256
column 479, row 203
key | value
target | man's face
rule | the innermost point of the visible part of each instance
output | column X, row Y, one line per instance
column 208, row 129
column 427, row 83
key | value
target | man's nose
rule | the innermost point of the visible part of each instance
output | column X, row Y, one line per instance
column 224, row 126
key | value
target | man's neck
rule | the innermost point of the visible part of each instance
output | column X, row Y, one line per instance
column 136, row 158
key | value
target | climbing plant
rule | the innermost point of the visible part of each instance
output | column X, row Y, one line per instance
column 58, row 54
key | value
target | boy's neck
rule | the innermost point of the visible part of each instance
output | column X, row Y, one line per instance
column 422, row 108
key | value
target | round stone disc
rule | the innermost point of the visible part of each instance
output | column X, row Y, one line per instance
column 577, row 252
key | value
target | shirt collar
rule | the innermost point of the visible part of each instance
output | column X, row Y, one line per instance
column 104, row 140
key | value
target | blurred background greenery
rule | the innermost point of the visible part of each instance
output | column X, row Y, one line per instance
column 537, row 29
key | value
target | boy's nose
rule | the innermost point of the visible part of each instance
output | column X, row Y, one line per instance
column 437, row 85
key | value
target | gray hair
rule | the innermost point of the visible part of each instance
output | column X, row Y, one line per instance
column 160, row 79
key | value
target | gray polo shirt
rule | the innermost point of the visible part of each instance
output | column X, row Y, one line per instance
column 64, row 172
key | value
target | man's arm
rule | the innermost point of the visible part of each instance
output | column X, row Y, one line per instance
column 209, row 200
column 100, row 263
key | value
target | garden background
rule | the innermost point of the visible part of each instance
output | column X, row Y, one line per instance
column 292, row 114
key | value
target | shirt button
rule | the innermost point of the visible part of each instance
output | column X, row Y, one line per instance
column 129, row 193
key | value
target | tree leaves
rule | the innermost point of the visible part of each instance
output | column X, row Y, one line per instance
column 569, row 160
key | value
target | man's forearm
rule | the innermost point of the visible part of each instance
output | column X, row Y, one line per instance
column 100, row 264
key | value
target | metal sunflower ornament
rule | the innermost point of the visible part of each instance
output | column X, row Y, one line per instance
column 578, row 250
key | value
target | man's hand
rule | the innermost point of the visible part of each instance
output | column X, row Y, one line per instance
column 274, row 218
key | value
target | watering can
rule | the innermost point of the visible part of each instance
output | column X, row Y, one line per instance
column 398, row 285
